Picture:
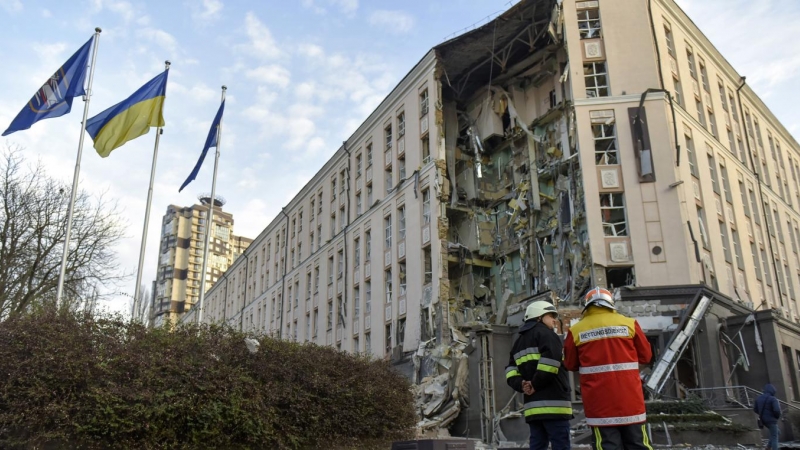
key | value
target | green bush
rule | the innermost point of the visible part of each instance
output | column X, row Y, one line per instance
column 70, row 380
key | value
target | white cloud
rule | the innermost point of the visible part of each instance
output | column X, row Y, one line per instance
column 261, row 44
column 46, row 13
column 120, row 7
column 394, row 21
column 11, row 6
column 347, row 7
column 206, row 11
column 161, row 38
column 273, row 74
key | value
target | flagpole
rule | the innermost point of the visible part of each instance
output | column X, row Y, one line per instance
column 210, row 218
column 138, row 288
column 71, row 207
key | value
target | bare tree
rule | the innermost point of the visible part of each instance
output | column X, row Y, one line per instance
column 33, row 218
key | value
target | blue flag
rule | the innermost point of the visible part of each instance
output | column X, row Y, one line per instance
column 211, row 141
column 54, row 98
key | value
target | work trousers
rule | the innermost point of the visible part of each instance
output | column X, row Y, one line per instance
column 544, row 432
column 625, row 437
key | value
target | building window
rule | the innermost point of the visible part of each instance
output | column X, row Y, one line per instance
column 756, row 263
column 319, row 204
column 704, row 75
column 423, row 102
column 387, row 136
column 387, row 178
column 369, row 155
column 401, row 223
column 589, row 23
column 726, row 186
column 691, row 154
column 333, row 189
column 712, row 124
column 330, row 315
column 387, row 224
column 701, row 221
column 367, row 343
column 356, row 302
column 712, row 169
column 358, row 165
column 357, row 252
column 743, row 193
column 427, row 264
column 605, row 144
column 401, row 165
column 612, row 211
column 402, row 267
column 316, row 280
column 690, row 59
column 330, row 269
column 426, row 150
column 670, row 41
column 388, row 339
column 342, row 218
column 722, row 97
column 401, row 124
column 737, row 249
column 369, row 196
column 367, row 246
column 678, row 93
column 426, row 206
column 367, row 297
column 596, row 79
column 701, row 114
column 319, row 236
column 340, row 258
column 388, row 286
column 726, row 245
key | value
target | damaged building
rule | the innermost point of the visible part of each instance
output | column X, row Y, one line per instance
column 562, row 145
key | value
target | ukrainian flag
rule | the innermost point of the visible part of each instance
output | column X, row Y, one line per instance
column 129, row 118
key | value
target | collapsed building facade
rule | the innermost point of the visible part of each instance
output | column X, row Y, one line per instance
column 557, row 147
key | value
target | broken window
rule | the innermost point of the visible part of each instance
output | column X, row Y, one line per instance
column 589, row 23
column 356, row 302
column 605, row 144
column 387, row 178
column 330, row 315
column 357, row 252
column 369, row 196
column 401, row 332
column 621, row 276
column 369, row 154
column 388, row 335
column 316, row 280
column 596, row 79
column 612, row 211
column 668, row 38
column 401, row 124
column 427, row 266
column 358, row 165
column 358, row 204
column 401, row 223
column 426, row 150
column 330, row 269
column 426, row 206
column 387, row 234
column 368, row 343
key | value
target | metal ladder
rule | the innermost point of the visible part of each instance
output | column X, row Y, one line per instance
column 486, row 377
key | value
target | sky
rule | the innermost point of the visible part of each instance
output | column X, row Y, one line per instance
column 301, row 76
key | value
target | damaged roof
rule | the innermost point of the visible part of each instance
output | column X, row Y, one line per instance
column 510, row 37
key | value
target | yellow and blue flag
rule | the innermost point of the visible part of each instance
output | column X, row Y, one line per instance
column 129, row 118
column 211, row 141
column 54, row 98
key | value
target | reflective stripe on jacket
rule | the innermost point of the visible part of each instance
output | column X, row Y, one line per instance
column 607, row 348
column 536, row 357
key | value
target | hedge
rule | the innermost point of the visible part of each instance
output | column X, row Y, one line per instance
column 74, row 380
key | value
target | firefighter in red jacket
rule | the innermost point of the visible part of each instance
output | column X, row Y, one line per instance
column 606, row 348
column 534, row 368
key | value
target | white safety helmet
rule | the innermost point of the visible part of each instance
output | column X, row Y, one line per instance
column 599, row 297
column 538, row 309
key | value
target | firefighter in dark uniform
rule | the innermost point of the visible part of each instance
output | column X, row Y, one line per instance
column 535, row 369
